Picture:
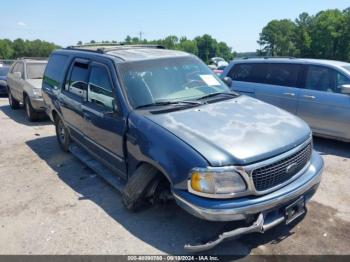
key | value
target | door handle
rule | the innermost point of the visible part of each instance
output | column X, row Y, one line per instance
column 309, row 97
column 289, row 94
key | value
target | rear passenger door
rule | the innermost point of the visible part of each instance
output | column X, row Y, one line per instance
column 72, row 97
column 321, row 103
column 281, row 86
column 104, row 126
column 274, row 83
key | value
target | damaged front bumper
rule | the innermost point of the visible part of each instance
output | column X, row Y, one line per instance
column 247, row 208
column 243, row 208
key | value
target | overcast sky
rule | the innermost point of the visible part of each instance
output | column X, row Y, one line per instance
column 65, row 22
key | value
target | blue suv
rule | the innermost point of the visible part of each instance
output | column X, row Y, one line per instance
column 159, row 125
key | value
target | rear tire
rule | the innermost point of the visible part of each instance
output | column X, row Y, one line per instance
column 32, row 115
column 14, row 104
column 62, row 134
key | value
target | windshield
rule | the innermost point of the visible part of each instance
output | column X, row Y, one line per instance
column 35, row 70
column 347, row 68
column 4, row 71
column 168, row 80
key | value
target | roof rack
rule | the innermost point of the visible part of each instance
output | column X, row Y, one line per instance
column 268, row 57
column 107, row 47
column 32, row 58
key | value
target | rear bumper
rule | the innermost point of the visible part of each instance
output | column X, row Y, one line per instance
column 243, row 208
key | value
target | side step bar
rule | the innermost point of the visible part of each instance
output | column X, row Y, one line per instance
column 259, row 226
column 96, row 166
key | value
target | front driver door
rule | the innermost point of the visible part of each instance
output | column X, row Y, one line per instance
column 321, row 103
column 104, row 126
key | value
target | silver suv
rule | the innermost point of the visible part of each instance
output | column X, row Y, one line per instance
column 24, row 86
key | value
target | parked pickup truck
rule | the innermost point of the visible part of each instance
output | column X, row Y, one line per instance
column 160, row 125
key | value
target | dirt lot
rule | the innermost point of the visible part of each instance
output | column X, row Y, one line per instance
column 50, row 203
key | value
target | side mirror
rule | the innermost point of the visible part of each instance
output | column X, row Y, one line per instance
column 345, row 89
column 227, row 80
column 17, row 75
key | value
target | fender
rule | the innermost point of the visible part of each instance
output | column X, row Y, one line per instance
column 150, row 143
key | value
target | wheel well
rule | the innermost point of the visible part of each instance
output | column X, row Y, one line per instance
column 159, row 175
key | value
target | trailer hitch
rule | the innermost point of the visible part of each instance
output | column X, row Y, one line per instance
column 259, row 226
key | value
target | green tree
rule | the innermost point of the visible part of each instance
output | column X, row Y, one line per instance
column 303, row 38
column 278, row 38
column 187, row 45
column 6, row 51
column 345, row 43
column 327, row 33
column 224, row 51
column 207, row 47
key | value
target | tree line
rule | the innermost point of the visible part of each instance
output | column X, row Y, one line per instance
column 324, row 35
column 204, row 46
column 25, row 48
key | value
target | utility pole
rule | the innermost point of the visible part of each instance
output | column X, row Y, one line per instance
column 141, row 33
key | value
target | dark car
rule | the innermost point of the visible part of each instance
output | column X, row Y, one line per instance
column 3, row 79
column 160, row 125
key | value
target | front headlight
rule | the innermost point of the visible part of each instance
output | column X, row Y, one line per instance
column 219, row 182
column 37, row 92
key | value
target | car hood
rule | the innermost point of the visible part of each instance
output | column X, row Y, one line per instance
column 3, row 78
column 238, row 131
column 36, row 83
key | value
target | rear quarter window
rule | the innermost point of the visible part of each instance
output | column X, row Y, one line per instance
column 249, row 72
column 55, row 70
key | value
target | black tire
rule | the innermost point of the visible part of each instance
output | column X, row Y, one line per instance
column 62, row 134
column 32, row 115
column 14, row 104
column 136, row 188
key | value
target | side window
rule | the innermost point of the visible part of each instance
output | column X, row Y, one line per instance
column 342, row 80
column 21, row 69
column 54, row 71
column 15, row 68
column 321, row 78
column 282, row 74
column 77, row 83
column 249, row 72
column 240, row 72
column 18, row 67
column 100, row 90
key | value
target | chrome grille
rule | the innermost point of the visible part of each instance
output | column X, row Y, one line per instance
column 274, row 174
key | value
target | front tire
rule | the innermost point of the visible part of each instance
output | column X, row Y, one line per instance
column 62, row 134
column 14, row 104
column 32, row 115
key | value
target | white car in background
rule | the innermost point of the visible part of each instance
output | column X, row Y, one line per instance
column 24, row 86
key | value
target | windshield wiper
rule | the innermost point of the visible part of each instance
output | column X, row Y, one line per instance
column 217, row 94
column 165, row 103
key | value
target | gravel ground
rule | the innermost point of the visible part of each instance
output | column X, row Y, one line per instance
column 50, row 203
